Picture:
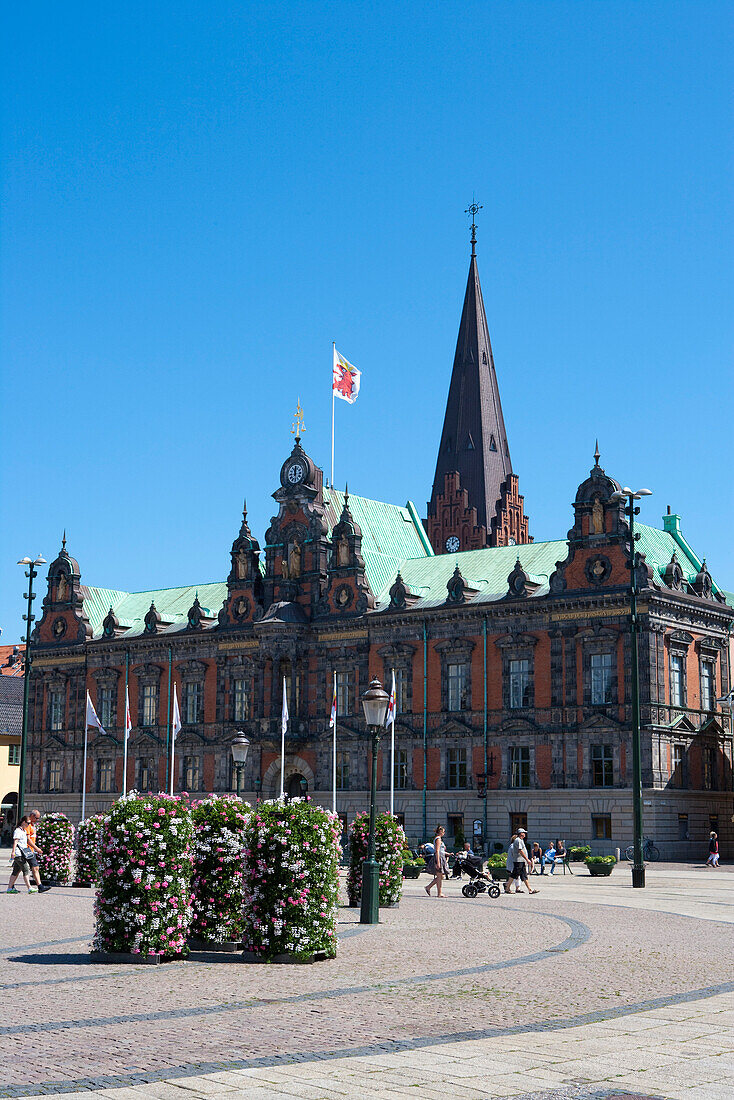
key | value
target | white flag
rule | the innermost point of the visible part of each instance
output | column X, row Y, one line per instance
column 390, row 716
column 176, row 716
column 128, row 722
column 284, row 716
column 92, row 719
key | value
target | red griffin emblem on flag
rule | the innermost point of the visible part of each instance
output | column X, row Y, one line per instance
column 346, row 379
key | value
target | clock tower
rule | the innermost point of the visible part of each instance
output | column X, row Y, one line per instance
column 475, row 500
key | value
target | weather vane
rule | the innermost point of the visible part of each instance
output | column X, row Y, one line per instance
column 297, row 429
column 473, row 210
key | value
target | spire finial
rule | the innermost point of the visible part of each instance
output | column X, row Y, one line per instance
column 244, row 509
column 297, row 428
column 63, row 540
column 346, row 492
column 473, row 209
column 597, row 454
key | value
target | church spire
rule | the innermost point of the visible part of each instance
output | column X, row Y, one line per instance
column 474, row 454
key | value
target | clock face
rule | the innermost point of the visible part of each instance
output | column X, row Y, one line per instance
column 296, row 473
column 452, row 544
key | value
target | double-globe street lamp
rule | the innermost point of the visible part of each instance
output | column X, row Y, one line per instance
column 31, row 574
column 374, row 704
column 631, row 510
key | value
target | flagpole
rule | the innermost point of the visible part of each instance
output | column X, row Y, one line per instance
column 168, row 714
column 392, row 751
column 124, row 753
column 283, row 721
column 84, row 768
column 332, row 415
column 333, row 760
column 176, row 725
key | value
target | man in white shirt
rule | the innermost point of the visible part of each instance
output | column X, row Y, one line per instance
column 518, row 864
column 20, row 863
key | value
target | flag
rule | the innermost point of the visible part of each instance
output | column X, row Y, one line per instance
column 345, row 383
column 390, row 716
column 284, row 716
column 128, row 722
column 176, row 717
column 92, row 719
column 332, row 719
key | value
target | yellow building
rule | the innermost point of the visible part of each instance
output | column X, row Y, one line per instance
column 11, row 720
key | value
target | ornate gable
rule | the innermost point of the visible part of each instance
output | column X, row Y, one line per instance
column 64, row 620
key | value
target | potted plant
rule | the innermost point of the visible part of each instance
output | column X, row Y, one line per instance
column 412, row 865
column 577, row 853
column 218, row 881
column 55, row 838
column 389, row 848
column 88, row 838
column 497, row 866
column 600, row 865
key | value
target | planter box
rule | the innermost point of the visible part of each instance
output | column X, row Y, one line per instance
column 285, row 957
column 499, row 874
column 125, row 957
column 411, row 872
column 228, row 946
column 78, row 885
column 598, row 871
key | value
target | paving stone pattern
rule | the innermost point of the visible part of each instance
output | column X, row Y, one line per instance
column 506, row 997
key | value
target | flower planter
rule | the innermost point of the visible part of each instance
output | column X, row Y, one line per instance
column 390, row 845
column 88, row 837
column 143, row 903
column 600, row 866
column 410, row 871
column 55, row 837
column 291, row 882
column 217, row 881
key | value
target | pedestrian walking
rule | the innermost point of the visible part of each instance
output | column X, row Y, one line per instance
column 517, row 854
column 33, row 818
column 20, row 859
column 713, row 860
column 440, row 863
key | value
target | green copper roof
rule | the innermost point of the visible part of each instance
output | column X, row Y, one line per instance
column 171, row 603
column 390, row 534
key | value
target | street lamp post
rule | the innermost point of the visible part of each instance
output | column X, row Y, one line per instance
column 239, row 748
column 374, row 704
column 31, row 573
column 631, row 510
column 258, row 788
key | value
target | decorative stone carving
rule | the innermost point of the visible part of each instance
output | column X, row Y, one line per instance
column 152, row 620
column 195, row 615
column 398, row 595
column 598, row 569
column 110, row 624
column 517, row 582
column 703, row 585
column 673, row 575
column 456, row 587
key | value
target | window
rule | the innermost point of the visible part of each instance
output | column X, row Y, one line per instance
column 602, row 676
column 714, row 823
column 683, row 827
column 677, row 698
column 400, row 778
column 292, row 688
column 455, row 827
column 457, row 680
column 240, row 701
column 104, row 703
column 517, row 821
column 679, row 763
column 56, row 709
column 13, row 754
column 344, row 694
column 53, row 775
column 150, row 704
column 456, row 768
column 709, row 768
column 147, row 779
column 194, row 703
column 602, row 766
column 342, row 771
column 191, row 773
column 707, row 685
column 401, row 690
column 520, row 766
column 519, row 684
column 105, row 776
column 601, row 826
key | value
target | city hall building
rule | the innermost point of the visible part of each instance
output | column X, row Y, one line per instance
column 511, row 657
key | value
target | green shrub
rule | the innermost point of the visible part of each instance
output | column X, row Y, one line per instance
column 600, row 865
column 577, row 853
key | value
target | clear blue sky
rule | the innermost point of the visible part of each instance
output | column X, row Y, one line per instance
column 197, row 198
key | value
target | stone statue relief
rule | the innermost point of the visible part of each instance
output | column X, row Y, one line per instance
column 597, row 517
column 62, row 588
column 241, row 565
column 294, row 561
column 342, row 551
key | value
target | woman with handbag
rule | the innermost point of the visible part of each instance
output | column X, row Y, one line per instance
column 18, row 857
column 440, row 862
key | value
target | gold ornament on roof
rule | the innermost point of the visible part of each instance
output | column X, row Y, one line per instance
column 297, row 428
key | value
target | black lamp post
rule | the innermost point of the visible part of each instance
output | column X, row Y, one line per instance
column 631, row 510
column 239, row 748
column 303, row 783
column 258, row 788
column 374, row 704
column 31, row 573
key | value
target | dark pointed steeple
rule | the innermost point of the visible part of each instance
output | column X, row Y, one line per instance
column 474, row 453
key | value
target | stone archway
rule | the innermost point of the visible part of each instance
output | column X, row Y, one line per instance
column 295, row 767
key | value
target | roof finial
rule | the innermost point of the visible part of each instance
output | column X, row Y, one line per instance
column 244, row 509
column 473, row 209
column 63, row 540
column 346, row 493
column 297, row 428
column 597, row 454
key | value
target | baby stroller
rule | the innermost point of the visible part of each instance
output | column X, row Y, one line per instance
column 479, row 882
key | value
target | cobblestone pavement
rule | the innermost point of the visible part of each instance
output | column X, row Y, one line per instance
column 587, row 990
